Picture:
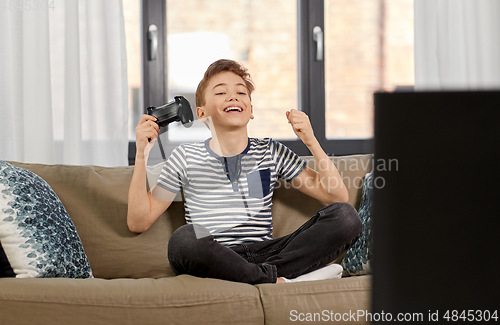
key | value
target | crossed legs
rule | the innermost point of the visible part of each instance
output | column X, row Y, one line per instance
column 318, row 242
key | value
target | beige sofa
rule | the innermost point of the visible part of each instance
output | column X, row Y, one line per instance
column 133, row 282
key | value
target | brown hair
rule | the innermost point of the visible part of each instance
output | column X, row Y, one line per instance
column 222, row 66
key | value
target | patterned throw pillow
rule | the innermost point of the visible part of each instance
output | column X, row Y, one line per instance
column 37, row 236
column 357, row 258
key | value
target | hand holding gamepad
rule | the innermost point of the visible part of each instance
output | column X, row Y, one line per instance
column 177, row 110
column 146, row 130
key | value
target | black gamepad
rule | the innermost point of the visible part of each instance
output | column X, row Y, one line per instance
column 177, row 110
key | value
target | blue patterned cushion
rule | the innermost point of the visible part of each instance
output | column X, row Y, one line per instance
column 37, row 236
column 357, row 258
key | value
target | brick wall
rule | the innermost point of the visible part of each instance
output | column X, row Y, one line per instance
column 263, row 37
column 369, row 46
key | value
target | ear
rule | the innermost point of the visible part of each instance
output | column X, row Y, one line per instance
column 200, row 112
column 251, row 112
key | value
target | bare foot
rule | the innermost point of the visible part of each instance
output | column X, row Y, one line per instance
column 280, row 280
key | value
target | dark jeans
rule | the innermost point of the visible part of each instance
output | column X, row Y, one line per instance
column 318, row 242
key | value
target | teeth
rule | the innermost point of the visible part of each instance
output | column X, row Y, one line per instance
column 233, row 108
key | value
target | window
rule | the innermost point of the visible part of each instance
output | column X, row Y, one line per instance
column 368, row 46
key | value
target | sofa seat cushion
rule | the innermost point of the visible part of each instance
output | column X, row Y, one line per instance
column 174, row 300
column 298, row 302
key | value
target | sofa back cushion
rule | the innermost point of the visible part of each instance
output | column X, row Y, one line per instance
column 96, row 199
column 291, row 208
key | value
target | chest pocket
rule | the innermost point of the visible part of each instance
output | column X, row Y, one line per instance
column 259, row 183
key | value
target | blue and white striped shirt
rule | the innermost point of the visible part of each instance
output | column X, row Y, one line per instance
column 230, row 196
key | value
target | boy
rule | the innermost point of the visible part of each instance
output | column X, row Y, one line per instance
column 228, row 183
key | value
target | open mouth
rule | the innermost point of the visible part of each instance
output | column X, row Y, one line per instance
column 233, row 109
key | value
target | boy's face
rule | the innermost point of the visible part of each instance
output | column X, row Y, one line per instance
column 227, row 101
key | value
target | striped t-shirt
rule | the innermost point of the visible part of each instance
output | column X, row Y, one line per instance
column 230, row 196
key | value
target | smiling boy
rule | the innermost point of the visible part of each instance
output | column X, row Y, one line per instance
column 228, row 182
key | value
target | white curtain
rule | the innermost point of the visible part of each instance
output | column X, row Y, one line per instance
column 457, row 44
column 63, row 83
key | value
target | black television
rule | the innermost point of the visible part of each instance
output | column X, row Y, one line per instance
column 436, row 211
